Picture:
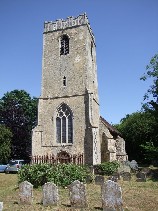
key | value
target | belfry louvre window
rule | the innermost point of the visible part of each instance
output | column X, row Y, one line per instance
column 64, row 125
column 64, row 45
column 64, row 81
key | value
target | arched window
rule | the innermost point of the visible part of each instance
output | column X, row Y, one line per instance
column 64, row 45
column 64, row 125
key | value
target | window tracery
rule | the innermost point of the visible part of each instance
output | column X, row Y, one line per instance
column 64, row 125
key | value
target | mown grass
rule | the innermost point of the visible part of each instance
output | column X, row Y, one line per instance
column 137, row 196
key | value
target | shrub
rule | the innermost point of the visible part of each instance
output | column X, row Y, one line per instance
column 61, row 174
column 108, row 168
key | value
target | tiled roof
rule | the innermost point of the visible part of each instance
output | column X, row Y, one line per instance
column 112, row 129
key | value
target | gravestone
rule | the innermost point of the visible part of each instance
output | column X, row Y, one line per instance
column 99, row 180
column 26, row 193
column 113, row 178
column 134, row 165
column 89, row 179
column 111, row 196
column 147, row 171
column 50, row 194
column 141, row 177
column 78, row 195
column 1, row 206
column 117, row 175
column 124, row 167
column 126, row 176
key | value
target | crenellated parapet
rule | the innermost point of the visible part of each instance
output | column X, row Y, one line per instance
column 70, row 22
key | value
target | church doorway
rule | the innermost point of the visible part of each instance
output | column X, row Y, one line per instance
column 63, row 157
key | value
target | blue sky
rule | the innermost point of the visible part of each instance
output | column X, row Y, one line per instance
column 126, row 33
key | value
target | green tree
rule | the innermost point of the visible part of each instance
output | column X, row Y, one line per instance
column 152, row 92
column 18, row 112
column 151, row 105
column 140, row 128
column 137, row 130
column 5, row 144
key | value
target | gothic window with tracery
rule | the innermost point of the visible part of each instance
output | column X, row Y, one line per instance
column 64, row 45
column 64, row 125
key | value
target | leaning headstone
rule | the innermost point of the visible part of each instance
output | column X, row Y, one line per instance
column 26, row 192
column 78, row 195
column 99, row 180
column 50, row 194
column 141, row 177
column 1, row 206
column 111, row 196
column 126, row 176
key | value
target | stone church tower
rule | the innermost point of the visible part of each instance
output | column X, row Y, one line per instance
column 68, row 110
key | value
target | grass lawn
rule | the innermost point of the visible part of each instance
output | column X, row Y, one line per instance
column 136, row 196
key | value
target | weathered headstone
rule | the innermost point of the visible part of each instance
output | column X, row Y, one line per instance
column 78, row 194
column 134, row 165
column 89, row 179
column 117, row 175
column 50, row 194
column 26, row 192
column 111, row 196
column 147, row 171
column 126, row 176
column 1, row 206
column 141, row 177
column 124, row 167
column 99, row 180
column 113, row 178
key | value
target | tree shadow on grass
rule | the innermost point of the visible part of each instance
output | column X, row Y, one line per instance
column 66, row 205
column 98, row 208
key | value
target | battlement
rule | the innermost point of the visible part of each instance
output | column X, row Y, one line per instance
column 70, row 22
